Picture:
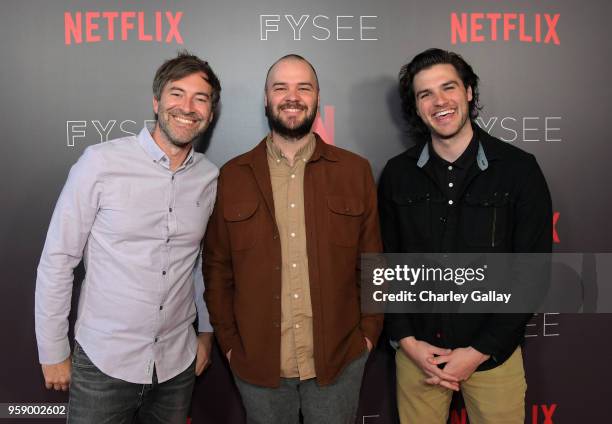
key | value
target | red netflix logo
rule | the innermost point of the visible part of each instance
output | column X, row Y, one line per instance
column 555, row 234
column 479, row 27
column 460, row 416
column 326, row 127
column 547, row 413
column 95, row 26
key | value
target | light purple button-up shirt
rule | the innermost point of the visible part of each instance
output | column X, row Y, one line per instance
column 138, row 226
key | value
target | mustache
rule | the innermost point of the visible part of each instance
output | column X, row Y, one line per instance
column 293, row 105
column 189, row 115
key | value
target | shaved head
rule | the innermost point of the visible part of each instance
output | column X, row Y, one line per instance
column 296, row 57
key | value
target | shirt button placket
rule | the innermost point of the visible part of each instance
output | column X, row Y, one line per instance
column 170, row 226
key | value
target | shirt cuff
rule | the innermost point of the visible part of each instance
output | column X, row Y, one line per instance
column 54, row 353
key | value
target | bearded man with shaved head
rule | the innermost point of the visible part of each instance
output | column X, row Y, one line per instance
column 282, row 267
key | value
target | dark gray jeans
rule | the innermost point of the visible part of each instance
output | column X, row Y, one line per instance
column 333, row 404
column 97, row 398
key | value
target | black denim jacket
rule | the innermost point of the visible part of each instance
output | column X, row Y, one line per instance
column 504, row 205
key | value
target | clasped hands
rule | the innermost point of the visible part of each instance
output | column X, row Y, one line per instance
column 460, row 362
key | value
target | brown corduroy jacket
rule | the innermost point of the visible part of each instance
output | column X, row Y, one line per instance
column 242, row 262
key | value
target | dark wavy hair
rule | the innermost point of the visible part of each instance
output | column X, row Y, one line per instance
column 183, row 65
column 425, row 60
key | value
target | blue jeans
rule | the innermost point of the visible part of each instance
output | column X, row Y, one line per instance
column 333, row 404
column 98, row 398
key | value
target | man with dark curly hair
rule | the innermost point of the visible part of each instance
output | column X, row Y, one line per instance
column 459, row 190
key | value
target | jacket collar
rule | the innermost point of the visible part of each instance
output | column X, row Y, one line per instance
column 487, row 150
column 258, row 154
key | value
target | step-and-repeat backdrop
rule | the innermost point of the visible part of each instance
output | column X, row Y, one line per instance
column 76, row 73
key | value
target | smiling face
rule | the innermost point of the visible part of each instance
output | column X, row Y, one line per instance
column 442, row 102
column 184, row 109
column 292, row 97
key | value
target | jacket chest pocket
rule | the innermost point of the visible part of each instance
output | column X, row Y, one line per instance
column 241, row 221
column 344, row 220
column 414, row 217
column 484, row 219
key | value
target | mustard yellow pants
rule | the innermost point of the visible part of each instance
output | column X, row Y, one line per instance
column 495, row 396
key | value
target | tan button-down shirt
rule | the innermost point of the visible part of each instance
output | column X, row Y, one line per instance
column 297, row 359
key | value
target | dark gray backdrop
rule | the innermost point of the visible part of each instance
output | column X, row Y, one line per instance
column 58, row 97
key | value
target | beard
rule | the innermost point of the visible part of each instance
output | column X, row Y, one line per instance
column 286, row 131
column 180, row 137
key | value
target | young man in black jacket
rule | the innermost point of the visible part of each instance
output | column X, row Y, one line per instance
column 460, row 190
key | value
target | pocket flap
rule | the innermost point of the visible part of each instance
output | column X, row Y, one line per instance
column 345, row 205
column 240, row 211
column 407, row 199
column 497, row 199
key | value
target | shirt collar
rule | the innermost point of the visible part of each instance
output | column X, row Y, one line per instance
column 257, row 156
column 305, row 151
column 154, row 151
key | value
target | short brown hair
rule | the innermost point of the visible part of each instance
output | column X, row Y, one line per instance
column 185, row 64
